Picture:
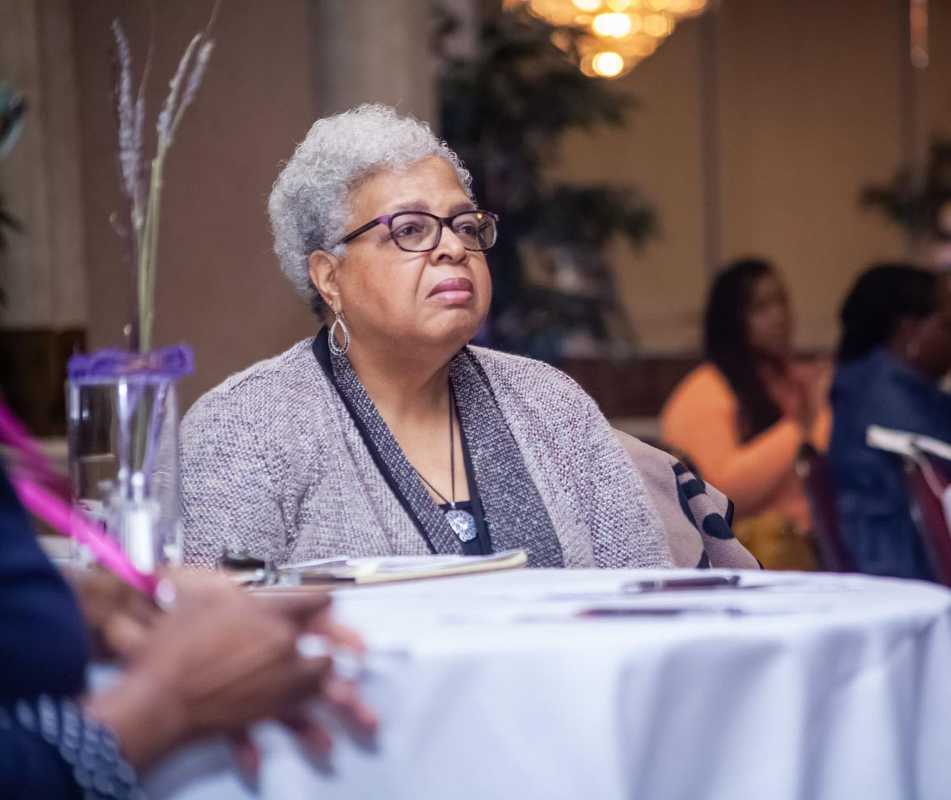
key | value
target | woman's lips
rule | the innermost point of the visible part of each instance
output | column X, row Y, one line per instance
column 453, row 290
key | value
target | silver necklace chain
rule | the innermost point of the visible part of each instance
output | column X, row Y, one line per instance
column 452, row 458
column 463, row 524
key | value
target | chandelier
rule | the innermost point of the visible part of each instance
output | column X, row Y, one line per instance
column 614, row 35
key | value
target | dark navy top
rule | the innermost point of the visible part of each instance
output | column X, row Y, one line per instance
column 43, row 650
column 874, row 511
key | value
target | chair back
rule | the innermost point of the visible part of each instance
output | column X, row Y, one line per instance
column 816, row 473
column 928, row 477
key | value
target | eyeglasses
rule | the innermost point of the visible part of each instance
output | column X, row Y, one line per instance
column 420, row 232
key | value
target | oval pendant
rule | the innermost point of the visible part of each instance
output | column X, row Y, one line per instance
column 462, row 524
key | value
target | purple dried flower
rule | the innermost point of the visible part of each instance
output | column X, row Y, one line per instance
column 138, row 198
column 136, row 172
column 194, row 80
column 167, row 116
column 129, row 149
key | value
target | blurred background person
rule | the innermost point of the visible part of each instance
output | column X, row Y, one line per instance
column 744, row 414
column 894, row 350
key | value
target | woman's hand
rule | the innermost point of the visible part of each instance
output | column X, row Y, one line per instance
column 217, row 662
column 814, row 384
column 340, row 694
column 117, row 616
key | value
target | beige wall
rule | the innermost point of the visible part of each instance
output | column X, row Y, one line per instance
column 42, row 273
column 275, row 67
column 809, row 110
column 810, row 106
column 939, row 73
column 810, row 102
column 659, row 152
column 219, row 287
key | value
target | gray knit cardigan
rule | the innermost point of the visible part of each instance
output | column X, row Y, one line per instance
column 273, row 464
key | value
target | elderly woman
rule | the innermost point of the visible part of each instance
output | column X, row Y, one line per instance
column 388, row 433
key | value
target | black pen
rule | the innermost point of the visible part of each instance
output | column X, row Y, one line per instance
column 609, row 612
column 683, row 583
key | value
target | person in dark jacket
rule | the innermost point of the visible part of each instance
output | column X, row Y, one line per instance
column 894, row 350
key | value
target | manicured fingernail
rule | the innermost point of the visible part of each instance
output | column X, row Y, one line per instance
column 165, row 594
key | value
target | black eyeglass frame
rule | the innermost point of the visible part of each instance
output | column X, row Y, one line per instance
column 387, row 219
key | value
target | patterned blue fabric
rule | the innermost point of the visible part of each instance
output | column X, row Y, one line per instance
column 696, row 516
column 67, row 754
column 874, row 512
column 697, row 507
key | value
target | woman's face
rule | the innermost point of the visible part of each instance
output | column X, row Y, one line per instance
column 931, row 341
column 768, row 318
column 393, row 300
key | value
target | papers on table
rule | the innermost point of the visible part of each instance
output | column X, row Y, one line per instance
column 397, row 568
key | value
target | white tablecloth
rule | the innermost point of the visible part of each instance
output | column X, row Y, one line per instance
column 816, row 686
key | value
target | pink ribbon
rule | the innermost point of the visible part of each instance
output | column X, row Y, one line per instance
column 71, row 522
column 29, row 456
column 40, row 488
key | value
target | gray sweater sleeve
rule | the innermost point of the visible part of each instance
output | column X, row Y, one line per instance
column 229, row 494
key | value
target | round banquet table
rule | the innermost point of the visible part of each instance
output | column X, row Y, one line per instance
column 557, row 684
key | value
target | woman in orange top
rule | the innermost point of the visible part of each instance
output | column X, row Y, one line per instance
column 745, row 413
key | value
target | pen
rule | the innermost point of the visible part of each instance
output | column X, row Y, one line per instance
column 655, row 611
column 683, row 583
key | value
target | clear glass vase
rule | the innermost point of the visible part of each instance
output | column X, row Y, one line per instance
column 123, row 448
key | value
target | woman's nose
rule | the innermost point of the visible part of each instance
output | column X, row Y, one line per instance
column 450, row 246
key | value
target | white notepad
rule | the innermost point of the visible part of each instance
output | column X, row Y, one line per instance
column 387, row 569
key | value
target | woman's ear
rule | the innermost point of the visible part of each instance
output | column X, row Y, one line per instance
column 322, row 267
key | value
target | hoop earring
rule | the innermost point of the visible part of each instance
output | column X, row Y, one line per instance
column 335, row 348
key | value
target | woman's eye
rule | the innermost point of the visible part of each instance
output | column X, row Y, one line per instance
column 407, row 229
column 466, row 229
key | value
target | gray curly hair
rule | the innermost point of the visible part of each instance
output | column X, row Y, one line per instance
column 309, row 203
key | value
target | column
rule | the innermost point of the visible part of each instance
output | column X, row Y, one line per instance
column 367, row 51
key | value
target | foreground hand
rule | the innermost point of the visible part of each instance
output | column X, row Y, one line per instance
column 219, row 661
column 117, row 616
column 340, row 694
